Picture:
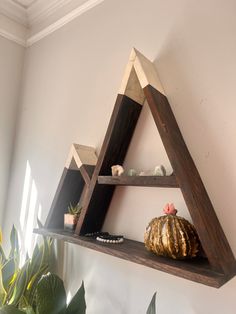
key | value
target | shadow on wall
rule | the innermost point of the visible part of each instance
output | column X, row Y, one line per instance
column 29, row 211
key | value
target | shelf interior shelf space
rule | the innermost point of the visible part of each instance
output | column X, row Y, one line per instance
column 148, row 181
column 197, row 270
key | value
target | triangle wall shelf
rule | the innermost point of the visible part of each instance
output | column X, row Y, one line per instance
column 87, row 179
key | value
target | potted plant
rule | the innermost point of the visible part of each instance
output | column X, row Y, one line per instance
column 30, row 288
column 50, row 298
column 18, row 283
column 71, row 218
column 152, row 306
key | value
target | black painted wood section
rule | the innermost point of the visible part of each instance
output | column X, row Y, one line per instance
column 119, row 133
column 211, row 235
column 146, row 181
column 87, row 172
column 69, row 191
column 197, row 270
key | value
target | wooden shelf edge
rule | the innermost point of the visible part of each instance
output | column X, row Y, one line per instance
column 134, row 251
column 147, row 181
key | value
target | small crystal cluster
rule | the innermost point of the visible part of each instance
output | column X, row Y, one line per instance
column 118, row 170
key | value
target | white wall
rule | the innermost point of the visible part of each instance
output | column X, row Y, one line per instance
column 71, row 81
column 11, row 62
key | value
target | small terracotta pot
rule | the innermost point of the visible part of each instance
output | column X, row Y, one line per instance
column 70, row 222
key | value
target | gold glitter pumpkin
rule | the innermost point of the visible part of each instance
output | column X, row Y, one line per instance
column 172, row 236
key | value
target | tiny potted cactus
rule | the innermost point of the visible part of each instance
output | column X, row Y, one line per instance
column 71, row 218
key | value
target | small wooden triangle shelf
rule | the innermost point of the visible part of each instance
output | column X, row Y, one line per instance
column 92, row 184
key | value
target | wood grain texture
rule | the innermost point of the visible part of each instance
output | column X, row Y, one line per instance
column 211, row 235
column 146, row 181
column 87, row 172
column 139, row 73
column 69, row 191
column 95, row 187
column 197, row 270
column 80, row 155
column 119, row 133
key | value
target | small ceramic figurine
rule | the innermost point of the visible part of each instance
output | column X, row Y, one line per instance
column 117, row 170
column 172, row 236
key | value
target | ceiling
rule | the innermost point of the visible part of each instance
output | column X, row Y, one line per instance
column 24, row 3
column 27, row 21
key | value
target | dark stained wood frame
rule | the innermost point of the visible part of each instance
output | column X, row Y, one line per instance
column 197, row 270
column 73, row 185
column 139, row 83
column 147, row 181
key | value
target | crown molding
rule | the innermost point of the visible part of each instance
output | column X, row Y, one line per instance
column 41, row 18
column 12, row 30
column 16, row 39
column 42, row 9
column 87, row 5
column 14, row 12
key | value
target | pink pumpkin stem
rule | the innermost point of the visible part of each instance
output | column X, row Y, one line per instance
column 169, row 209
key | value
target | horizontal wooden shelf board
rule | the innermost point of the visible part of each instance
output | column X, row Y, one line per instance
column 197, row 270
column 147, row 181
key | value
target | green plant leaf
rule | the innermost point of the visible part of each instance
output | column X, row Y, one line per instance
column 3, row 293
column 35, row 261
column 28, row 310
column 152, row 306
column 10, row 309
column 32, row 285
column 14, row 243
column 8, row 271
column 39, row 265
column 50, row 295
column 44, row 252
column 36, row 269
column 77, row 304
column 40, row 258
column 3, row 258
column 17, row 289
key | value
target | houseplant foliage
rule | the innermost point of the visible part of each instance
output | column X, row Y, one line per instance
column 51, row 299
column 18, row 284
column 71, row 218
column 74, row 210
column 152, row 306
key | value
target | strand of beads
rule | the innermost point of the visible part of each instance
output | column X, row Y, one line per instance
column 110, row 239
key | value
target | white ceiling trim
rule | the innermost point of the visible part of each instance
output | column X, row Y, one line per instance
column 12, row 30
column 13, row 11
column 38, row 14
column 62, row 21
column 41, row 9
column 16, row 39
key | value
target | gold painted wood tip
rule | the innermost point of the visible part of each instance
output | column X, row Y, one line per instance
column 140, row 72
column 80, row 155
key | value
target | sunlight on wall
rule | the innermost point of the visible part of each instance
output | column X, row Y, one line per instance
column 30, row 218
column 30, row 210
column 25, row 195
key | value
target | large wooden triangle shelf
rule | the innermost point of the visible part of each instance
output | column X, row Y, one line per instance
column 92, row 184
